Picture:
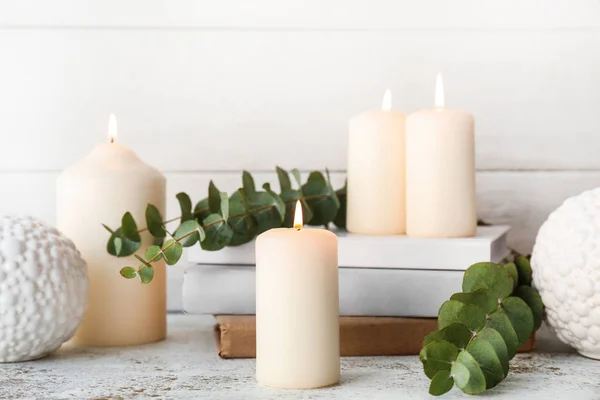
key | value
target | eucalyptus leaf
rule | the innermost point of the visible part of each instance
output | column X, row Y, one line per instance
column 490, row 276
column 128, row 272
column 481, row 298
column 512, row 271
column 494, row 338
column 533, row 299
column 154, row 221
column 340, row 218
column 189, row 233
column 321, row 199
column 129, row 228
column 441, row 383
column 438, row 356
column 185, row 204
column 525, row 271
column 453, row 311
column 120, row 246
column 153, row 253
column 467, row 374
column 455, row 333
column 108, row 229
column 158, row 241
column 248, row 183
column 266, row 208
column 520, row 317
column 297, row 177
column 202, row 210
column 224, row 205
column 218, row 233
column 499, row 321
column 172, row 251
column 487, row 359
column 214, row 198
column 146, row 273
column 284, row 179
column 243, row 226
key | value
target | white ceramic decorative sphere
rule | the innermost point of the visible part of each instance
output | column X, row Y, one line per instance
column 566, row 271
column 43, row 289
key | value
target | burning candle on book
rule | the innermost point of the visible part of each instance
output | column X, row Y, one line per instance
column 440, row 172
column 297, row 307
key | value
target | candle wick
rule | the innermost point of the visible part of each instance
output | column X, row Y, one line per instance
column 112, row 139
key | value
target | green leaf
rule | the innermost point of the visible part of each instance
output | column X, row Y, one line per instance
column 494, row 338
column 297, row 178
column 172, row 252
column 441, row 383
column 480, row 298
column 224, row 205
column 152, row 252
column 438, row 356
column 453, row 311
column 202, row 210
column 284, row 179
column 525, row 271
column 520, row 317
column 108, row 229
column 129, row 228
column 189, row 233
column 214, row 198
column 457, row 334
column 248, row 183
column 243, row 226
column 499, row 321
column 266, row 208
column 185, row 204
column 146, row 273
column 340, row 218
column 120, row 246
column 158, row 241
column 533, row 299
column 128, row 272
column 218, row 233
column 485, row 355
column 467, row 374
column 512, row 271
column 490, row 276
column 154, row 221
column 321, row 199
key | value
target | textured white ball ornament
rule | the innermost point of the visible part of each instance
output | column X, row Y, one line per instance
column 566, row 271
column 44, row 289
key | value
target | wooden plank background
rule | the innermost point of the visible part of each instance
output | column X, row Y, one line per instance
column 204, row 89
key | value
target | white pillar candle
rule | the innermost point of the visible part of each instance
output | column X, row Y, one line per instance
column 376, row 176
column 297, row 308
column 98, row 190
column 440, row 172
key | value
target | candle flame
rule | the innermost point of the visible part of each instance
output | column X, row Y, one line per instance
column 298, row 216
column 112, row 128
column 386, row 104
column 439, row 92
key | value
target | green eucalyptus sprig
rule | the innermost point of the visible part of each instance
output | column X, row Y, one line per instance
column 480, row 329
column 221, row 220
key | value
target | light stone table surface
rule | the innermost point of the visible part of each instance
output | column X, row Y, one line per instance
column 186, row 366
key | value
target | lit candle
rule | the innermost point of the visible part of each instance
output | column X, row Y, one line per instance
column 297, row 307
column 376, row 172
column 440, row 172
column 99, row 189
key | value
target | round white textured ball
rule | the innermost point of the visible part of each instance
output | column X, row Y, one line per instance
column 44, row 289
column 566, row 271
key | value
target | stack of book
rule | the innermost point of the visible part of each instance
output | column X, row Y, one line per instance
column 391, row 288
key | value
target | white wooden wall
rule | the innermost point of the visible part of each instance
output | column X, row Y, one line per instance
column 203, row 89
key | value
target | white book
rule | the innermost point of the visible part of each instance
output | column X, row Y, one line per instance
column 230, row 289
column 363, row 251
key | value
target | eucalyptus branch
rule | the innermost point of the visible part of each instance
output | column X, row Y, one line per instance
column 481, row 329
column 220, row 220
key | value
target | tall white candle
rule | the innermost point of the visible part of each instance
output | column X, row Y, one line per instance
column 440, row 172
column 297, row 308
column 98, row 190
column 376, row 176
